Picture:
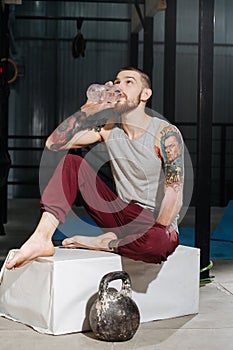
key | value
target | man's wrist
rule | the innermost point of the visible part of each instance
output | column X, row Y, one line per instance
column 113, row 245
column 168, row 228
column 159, row 224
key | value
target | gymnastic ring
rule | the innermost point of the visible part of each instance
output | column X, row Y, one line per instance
column 10, row 81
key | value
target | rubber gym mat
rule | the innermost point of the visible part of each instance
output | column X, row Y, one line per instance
column 219, row 250
column 224, row 229
column 85, row 226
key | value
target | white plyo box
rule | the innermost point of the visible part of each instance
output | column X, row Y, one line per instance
column 168, row 290
column 54, row 295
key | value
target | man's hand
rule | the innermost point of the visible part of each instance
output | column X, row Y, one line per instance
column 91, row 116
column 91, row 108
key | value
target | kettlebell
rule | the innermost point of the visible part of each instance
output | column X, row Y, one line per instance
column 114, row 316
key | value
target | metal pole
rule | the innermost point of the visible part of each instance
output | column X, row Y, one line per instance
column 204, row 130
column 222, row 177
column 148, row 53
column 4, row 96
column 134, row 38
column 169, row 95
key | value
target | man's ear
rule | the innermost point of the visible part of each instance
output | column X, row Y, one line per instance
column 145, row 94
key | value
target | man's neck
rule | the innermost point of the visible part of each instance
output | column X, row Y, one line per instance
column 135, row 123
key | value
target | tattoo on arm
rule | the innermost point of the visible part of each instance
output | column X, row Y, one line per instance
column 66, row 130
column 79, row 121
column 172, row 151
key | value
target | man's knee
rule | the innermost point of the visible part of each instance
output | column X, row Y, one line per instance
column 152, row 247
column 72, row 159
column 155, row 249
column 71, row 164
column 158, row 244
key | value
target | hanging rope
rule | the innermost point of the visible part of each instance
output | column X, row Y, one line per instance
column 78, row 43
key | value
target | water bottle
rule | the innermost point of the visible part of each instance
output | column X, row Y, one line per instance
column 103, row 93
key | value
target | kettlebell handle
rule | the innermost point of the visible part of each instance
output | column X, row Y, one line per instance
column 112, row 276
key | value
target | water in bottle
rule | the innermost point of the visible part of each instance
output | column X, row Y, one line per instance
column 103, row 93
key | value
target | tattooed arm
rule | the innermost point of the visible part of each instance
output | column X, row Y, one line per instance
column 169, row 147
column 82, row 128
column 65, row 132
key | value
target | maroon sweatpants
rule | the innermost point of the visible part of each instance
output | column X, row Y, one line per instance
column 141, row 238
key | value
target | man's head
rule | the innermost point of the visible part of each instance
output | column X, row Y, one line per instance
column 146, row 83
column 136, row 88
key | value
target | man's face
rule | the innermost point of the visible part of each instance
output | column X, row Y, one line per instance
column 130, row 84
column 172, row 148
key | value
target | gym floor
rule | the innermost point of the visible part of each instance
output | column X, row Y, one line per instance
column 211, row 328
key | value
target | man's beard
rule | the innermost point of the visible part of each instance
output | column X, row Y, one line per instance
column 126, row 106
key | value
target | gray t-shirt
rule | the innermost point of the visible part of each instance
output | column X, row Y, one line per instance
column 135, row 165
column 136, row 168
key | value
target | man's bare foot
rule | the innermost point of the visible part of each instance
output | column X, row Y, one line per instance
column 30, row 250
column 39, row 244
column 95, row 243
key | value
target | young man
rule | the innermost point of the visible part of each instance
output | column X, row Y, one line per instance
column 140, row 222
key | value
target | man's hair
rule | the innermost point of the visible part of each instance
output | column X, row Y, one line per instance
column 144, row 77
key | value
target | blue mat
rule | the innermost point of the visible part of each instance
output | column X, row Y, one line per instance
column 85, row 226
column 224, row 230
column 219, row 250
column 221, row 244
